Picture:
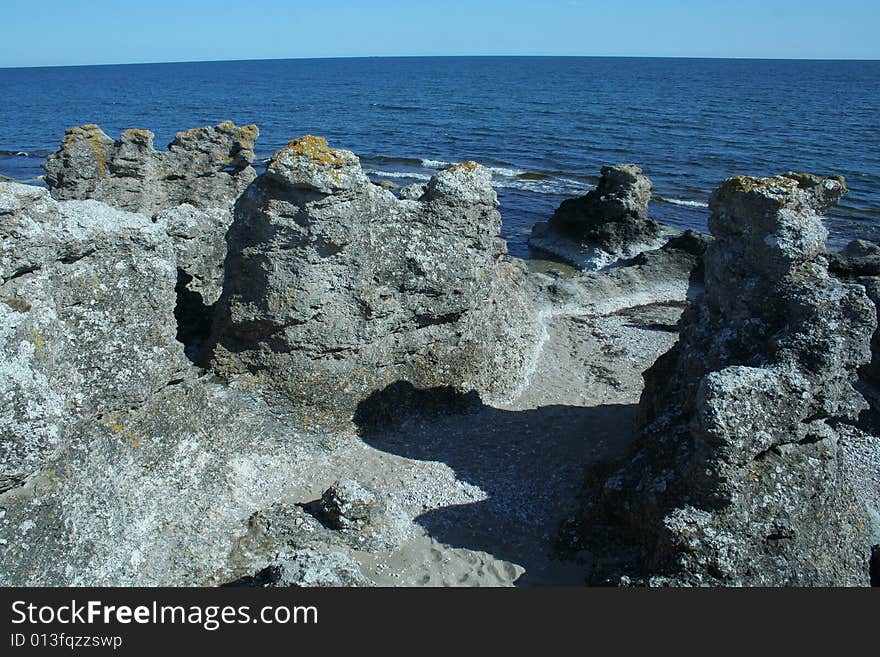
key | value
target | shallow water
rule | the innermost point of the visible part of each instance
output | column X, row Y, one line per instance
column 544, row 125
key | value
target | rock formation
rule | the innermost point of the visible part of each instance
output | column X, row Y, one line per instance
column 191, row 186
column 609, row 223
column 860, row 262
column 335, row 288
column 739, row 475
column 86, row 309
column 204, row 167
column 117, row 465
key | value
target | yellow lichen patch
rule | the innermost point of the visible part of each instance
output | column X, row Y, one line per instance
column 750, row 184
column 249, row 133
column 88, row 133
column 38, row 341
column 315, row 149
column 470, row 166
column 137, row 135
column 114, row 424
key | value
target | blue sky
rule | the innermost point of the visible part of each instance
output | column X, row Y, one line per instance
column 72, row 32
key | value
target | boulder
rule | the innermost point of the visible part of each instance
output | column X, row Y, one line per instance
column 859, row 262
column 316, row 569
column 348, row 504
column 413, row 192
column 858, row 258
column 335, row 288
column 608, row 223
column 739, row 475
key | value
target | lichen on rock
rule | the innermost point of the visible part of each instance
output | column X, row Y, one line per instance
column 335, row 288
column 609, row 223
column 739, row 475
column 189, row 189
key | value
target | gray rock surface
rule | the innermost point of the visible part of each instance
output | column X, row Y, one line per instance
column 348, row 504
column 608, row 223
column 191, row 186
column 413, row 192
column 859, row 262
column 334, row 288
column 321, row 569
column 158, row 494
column 205, row 167
column 199, row 237
column 739, row 475
column 86, row 320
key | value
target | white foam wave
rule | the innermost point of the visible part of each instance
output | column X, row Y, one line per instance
column 410, row 175
column 436, row 164
column 557, row 186
column 504, row 171
column 690, row 204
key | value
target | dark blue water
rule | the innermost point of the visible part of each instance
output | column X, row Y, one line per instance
column 545, row 125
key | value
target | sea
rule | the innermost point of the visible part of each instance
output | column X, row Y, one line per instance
column 544, row 125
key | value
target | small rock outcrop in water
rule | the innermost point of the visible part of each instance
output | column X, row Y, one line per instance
column 334, row 288
column 191, row 186
column 609, row 223
column 739, row 475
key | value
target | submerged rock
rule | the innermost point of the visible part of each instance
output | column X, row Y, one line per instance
column 739, row 475
column 334, row 288
column 610, row 223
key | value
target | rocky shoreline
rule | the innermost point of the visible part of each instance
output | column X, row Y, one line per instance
column 303, row 378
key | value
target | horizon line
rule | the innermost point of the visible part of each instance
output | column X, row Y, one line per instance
column 482, row 56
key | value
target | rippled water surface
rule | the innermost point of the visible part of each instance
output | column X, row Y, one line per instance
column 544, row 125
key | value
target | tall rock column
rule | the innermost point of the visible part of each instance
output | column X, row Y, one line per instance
column 335, row 288
column 738, row 476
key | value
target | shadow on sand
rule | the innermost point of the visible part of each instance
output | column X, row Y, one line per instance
column 529, row 463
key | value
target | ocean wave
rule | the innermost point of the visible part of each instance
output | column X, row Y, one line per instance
column 540, row 185
column 678, row 201
column 436, row 164
column 409, row 175
column 23, row 153
column 507, row 172
column 396, row 108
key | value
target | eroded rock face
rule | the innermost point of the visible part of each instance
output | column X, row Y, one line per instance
column 739, row 476
column 190, row 188
column 609, row 223
column 859, row 262
column 155, row 495
column 86, row 320
column 335, row 288
column 205, row 167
